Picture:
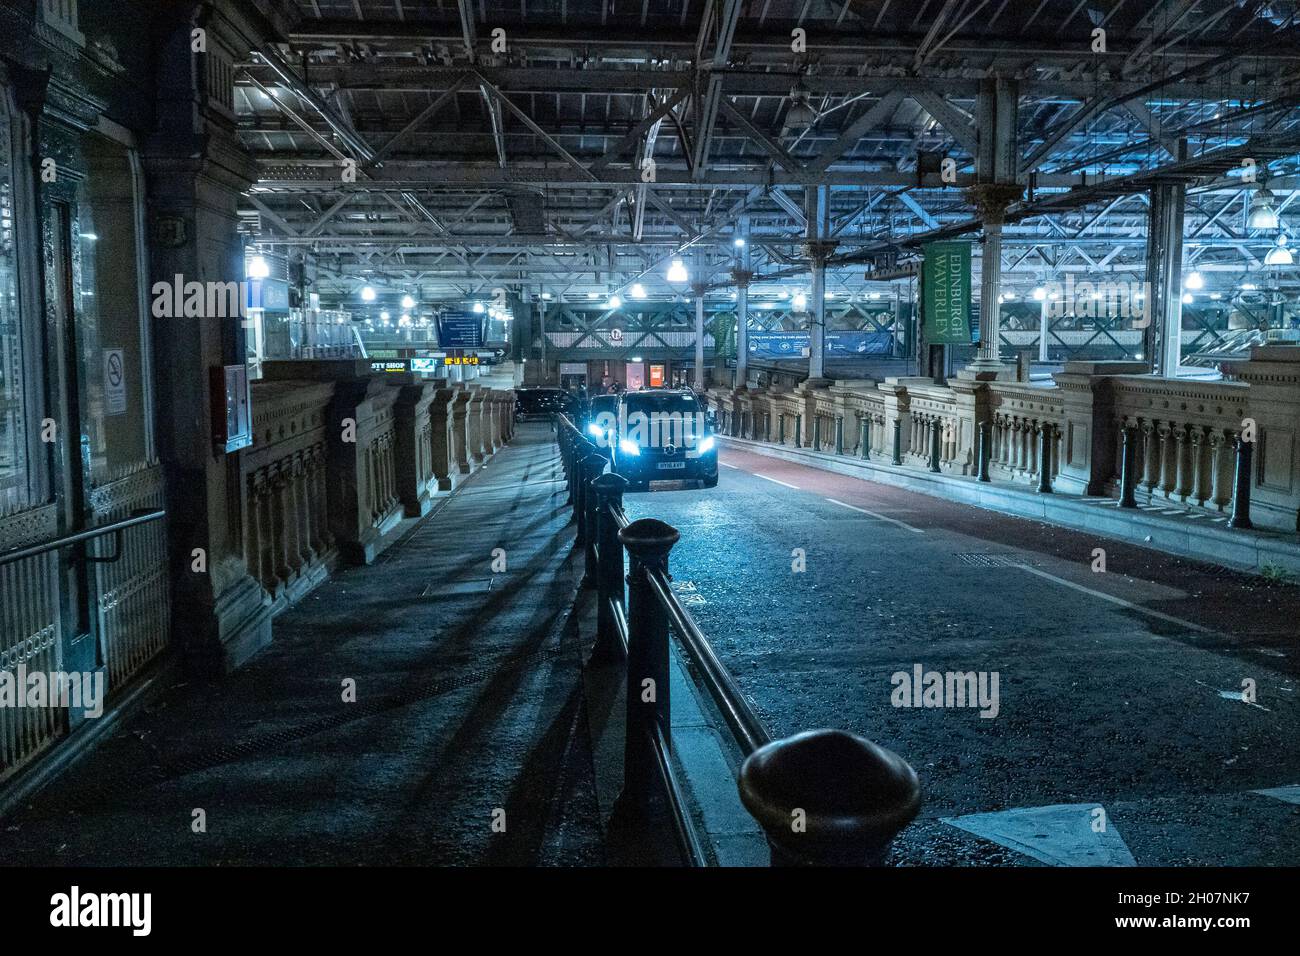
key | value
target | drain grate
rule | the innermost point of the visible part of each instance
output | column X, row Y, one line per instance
column 991, row 560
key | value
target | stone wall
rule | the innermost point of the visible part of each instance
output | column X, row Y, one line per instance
column 1186, row 433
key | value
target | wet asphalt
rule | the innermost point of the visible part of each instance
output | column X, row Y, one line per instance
column 1113, row 685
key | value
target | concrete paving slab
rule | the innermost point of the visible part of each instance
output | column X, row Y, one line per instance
column 1076, row 834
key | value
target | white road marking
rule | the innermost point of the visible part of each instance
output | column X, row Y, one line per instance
column 1062, row 835
column 725, row 465
column 1119, row 601
column 776, row 481
column 1287, row 794
column 901, row 524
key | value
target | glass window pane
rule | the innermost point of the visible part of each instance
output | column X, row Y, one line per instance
column 13, row 426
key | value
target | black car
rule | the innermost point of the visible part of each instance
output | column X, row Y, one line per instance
column 600, row 419
column 542, row 402
column 664, row 436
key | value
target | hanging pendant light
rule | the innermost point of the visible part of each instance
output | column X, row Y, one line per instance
column 1280, row 254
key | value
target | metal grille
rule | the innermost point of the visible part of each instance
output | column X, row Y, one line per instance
column 29, row 635
column 132, row 592
column 981, row 560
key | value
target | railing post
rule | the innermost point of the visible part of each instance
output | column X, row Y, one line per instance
column 592, row 467
column 579, row 495
column 935, row 434
column 798, row 431
column 1128, row 469
column 648, row 542
column 1241, row 485
column 609, row 571
column 864, row 444
column 839, row 434
column 565, row 441
column 829, row 798
column 1045, row 458
column 985, row 450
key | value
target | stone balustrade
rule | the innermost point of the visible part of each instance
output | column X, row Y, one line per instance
column 341, row 458
column 1186, row 432
column 1021, row 417
column 288, row 544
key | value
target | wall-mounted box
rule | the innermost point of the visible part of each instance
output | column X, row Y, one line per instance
column 232, row 410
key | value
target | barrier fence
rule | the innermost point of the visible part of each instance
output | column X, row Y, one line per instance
column 823, row 797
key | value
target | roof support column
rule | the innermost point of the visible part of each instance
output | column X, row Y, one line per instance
column 742, row 275
column 997, row 189
column 1163, row 315
column 818, row 249
column 698, row 289
column 991, row 199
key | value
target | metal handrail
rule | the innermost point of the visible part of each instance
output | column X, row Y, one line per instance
column 745, row 724
column 637, row 615
column 114, row 528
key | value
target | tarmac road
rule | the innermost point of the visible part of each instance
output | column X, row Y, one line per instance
column 1120, row 689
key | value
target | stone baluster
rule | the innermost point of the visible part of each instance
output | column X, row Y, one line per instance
column 1168, row 459
column 1200, row 457
column 1183, row 451
column 1223, row 447
column 1150, row 455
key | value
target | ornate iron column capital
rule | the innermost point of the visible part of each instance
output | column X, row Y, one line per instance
column 992, row 199
column 819, row 250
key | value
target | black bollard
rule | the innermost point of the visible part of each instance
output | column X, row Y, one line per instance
column 609, row 568
column 798, row 431
column 898, row 441
column 864, row 443
column 817, row 432
column 839, row 434
column 1045, row 459
column 1241, row 486
column 985, row 450
column 780, row 437
column 1128, row 469
column 935, row 426
column 648, row 542
column 592, row 467
column 829, row 798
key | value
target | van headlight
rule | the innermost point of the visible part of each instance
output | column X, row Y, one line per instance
column 706, row 445
column 629, row 447
column 595, row 430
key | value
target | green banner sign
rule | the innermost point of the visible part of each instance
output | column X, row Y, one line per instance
column 947, row 293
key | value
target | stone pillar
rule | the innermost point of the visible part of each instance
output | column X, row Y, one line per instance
column 474, row 424
column 1273, row 374
column 1088, row 459
column 357, row 481
column 196, row 170
column 460, row 429
column 416, row 480
column 442, row 444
